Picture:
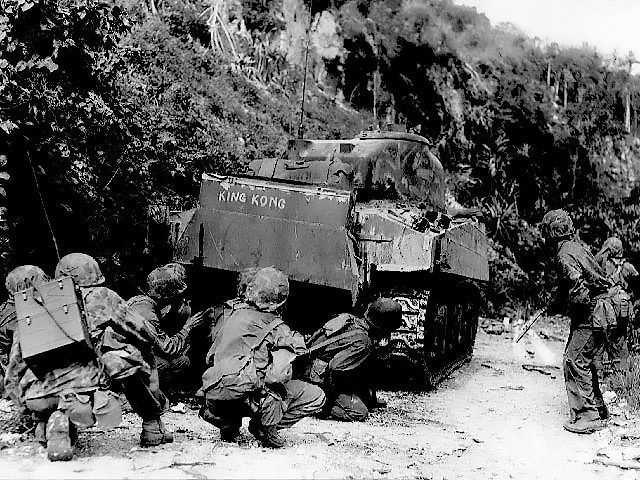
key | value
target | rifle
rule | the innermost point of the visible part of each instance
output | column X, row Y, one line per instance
column 529, row 323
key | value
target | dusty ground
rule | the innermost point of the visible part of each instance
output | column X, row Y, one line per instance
column 491, row 420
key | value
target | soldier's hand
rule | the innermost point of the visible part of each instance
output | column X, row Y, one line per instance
column 200, row 318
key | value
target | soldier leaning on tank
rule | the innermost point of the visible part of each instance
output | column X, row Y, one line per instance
column 123, row 344
column 582, row 286
column 250, row 367
column 169, row 316
column 343, row 364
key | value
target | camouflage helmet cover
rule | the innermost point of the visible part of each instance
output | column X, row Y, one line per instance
column 23, row 277
column 166, row 282
column 384, row 314
column 244, row 279
column 83, row 268
column 268, row 290
column 178, row 269
column 557, row 224
column 614, row 245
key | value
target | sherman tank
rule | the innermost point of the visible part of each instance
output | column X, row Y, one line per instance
column 347, row 221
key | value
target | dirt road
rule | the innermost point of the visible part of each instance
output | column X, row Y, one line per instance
column 491, row 420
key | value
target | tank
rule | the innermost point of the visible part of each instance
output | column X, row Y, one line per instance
column 348, row 221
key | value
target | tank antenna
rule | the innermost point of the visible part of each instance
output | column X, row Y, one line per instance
column 304, row 78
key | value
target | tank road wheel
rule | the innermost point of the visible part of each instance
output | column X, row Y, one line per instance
column 451, row 322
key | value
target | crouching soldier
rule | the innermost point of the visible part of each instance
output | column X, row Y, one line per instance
column 62, row 397
column 342, row 354
column 124, row 341
column 250, row 367
column 14, row 282
column 582, row 284
column 68, row 396
column 169, row 316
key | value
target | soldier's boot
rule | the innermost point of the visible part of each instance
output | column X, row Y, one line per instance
column 267, row 436
column 59, row 446
column 154, row 433
column 586, row 424
column 228, row 433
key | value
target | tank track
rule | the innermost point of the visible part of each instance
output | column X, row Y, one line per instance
column 437, row 336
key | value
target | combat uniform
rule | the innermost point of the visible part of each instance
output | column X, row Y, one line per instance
column 8, row 325
column 343, row 355
column 623, row 275
column 170, row 346
column 581, row 282
column 250, row 367
column 343, row 367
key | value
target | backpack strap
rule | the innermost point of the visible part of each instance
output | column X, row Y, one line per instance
column 272, row 326
column 329, row 341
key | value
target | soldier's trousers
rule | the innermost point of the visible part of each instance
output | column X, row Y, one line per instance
column 581, row 356
column 174, row 373
column 144, row 395
column 282, row 409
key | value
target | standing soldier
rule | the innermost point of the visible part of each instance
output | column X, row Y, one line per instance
column 624, row 277
column 124, row 341
column 250, row 368
column 581, row 282
column 343, row 359
column 169, row 316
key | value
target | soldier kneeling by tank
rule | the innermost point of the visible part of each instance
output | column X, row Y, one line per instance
column 342, row 353
column 72, row 393
column 250, row 366
column 169, row 315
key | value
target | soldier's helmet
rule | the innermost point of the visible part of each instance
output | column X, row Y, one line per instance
column 166, row 282
column 244, row 279
column 384, row 315
column 614, row 245
column 178, row 269
column 23, row 277
column 83, row 268
column 557, row 224
column 268, row 290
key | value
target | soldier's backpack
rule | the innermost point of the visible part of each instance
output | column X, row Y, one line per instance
column 234, row 376
column 52, row 326
column 335, row 330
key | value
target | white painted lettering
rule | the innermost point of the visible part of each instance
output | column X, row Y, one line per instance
column 282, row 203
column 263, row 200
column 243, row 197
column 254, row 200
column 221, row 197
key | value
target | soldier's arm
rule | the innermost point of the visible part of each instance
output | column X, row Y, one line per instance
column 572, row 272
column 170, row 346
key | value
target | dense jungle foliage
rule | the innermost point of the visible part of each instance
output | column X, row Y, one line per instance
column 118, row 106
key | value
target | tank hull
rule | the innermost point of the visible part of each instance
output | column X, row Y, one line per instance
column 315, row 217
